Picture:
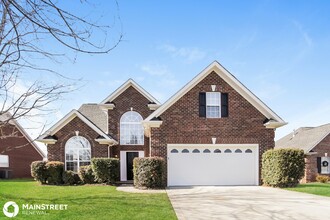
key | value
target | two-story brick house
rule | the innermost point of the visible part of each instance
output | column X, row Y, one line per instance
column 211, row 132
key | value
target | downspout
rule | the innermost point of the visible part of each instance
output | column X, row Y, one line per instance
column 150, row 143
column 109, row 145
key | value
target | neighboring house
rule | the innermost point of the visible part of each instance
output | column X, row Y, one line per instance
column 211, row 132
column 17, row 150
column 315, row 141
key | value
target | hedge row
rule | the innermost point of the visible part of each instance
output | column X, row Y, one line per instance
column 283, row 167
column 101, row 170
column 149, row 172
column 106, row 170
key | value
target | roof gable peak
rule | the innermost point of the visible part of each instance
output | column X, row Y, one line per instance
column 129, row 83
column 215, row 66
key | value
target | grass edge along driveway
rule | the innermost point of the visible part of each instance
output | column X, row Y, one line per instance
column 84, row 202
column 321, row 189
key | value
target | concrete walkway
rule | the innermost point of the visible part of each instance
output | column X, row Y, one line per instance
column 248, row 202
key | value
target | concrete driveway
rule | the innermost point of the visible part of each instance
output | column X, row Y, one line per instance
column 246, row 202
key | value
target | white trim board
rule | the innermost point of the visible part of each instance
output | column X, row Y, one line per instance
column 126, row 85
column 123, row 169
column 232, row 81
column 69, row 117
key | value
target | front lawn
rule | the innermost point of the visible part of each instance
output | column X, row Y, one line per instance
column 322, row 189
column 84, row 202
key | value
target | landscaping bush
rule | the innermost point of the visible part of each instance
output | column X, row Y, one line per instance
column 70, row 178
column 149, row 172
column 86, row 174
column 39, row 171
column 322, row 178
column 106, row 170
column 283, row 167
column 55, row 171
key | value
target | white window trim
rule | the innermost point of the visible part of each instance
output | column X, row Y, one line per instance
column 6, row 159
column 131, row 123
column 123, row 168
column 213, row 105
column 325, row 170
column 77, row 149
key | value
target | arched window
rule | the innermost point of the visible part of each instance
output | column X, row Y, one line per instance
column 77, row 153
column 131, row 129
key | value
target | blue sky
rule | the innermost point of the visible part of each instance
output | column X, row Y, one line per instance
column 279, row 49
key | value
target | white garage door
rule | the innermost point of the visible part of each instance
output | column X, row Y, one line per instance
column 214, row 164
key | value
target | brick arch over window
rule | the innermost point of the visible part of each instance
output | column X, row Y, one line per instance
column 77, row 153
column 131, row 129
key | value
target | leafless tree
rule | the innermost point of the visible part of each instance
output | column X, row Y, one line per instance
column 32, row 31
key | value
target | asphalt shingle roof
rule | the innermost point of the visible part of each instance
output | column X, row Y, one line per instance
column 94, row 113
column 305, row 138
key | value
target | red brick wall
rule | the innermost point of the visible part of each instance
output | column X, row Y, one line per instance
column 182, row 124
column 311, row 160
column 56, row 152
column 21, row 153
column 130, row 98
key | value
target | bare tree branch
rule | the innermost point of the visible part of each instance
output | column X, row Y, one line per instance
column 26, row 26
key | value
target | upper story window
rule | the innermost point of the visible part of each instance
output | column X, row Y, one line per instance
column 77, row 153
column 213, row 104
column 4, row 160
column 131, row 129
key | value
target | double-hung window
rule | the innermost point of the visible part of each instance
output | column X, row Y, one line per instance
column 213, row 105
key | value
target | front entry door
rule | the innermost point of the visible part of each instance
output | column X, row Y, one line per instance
column 129, row 163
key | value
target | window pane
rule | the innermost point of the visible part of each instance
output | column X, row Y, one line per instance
column 213, row 98
column 84, row 155
column 213, row 104
column 212, row 111
column 72, row 166
column 77, row 149
column 4, row 161
column 131, row 129
column 84, row 163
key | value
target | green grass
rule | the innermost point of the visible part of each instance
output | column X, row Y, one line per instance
column 322, row 189
column 85, row 202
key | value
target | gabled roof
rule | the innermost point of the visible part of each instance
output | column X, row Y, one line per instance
column 274, row 119
column 305, row 138
column 126, row 85
column 6, row 116
column 66, row 119
column 94, row 113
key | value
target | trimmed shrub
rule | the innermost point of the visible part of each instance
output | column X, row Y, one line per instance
column 39, row 171
column 55, row 170
column 86, row 174
column 149, row 172
column 70, row 178
column 106, row 170
column 283, row 167
column 322, row 178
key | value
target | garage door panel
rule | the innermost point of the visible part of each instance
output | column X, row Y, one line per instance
column 210, row 168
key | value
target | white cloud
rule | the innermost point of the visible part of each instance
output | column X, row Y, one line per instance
column 155, row 69
column 189, row 54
